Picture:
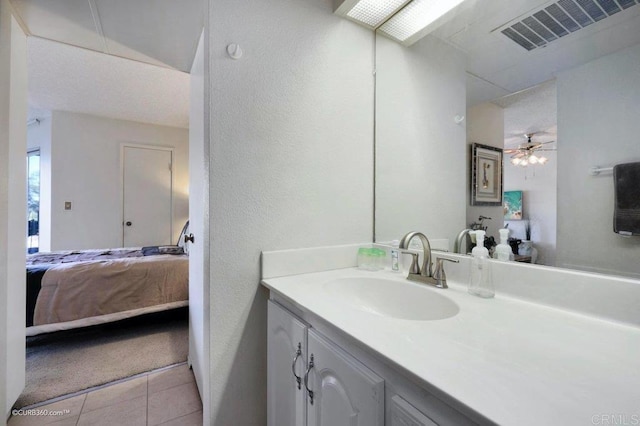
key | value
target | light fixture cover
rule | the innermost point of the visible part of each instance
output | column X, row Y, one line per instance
column 370, row 13
column 417, row 19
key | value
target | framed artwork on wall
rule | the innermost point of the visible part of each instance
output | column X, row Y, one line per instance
column 513, row 205
column 486, row 175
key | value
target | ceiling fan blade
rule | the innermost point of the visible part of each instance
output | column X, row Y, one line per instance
column 518, row 155
column 511, row 151
column 546, row 149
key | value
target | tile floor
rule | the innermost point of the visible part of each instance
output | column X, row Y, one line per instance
column 168, row 397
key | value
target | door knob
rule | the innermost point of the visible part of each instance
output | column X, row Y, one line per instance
column 188, row 238
column 128, row 223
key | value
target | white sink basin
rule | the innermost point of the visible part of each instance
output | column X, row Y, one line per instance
column 393, row 299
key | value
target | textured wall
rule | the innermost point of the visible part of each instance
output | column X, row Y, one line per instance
column 86, row 171
column 420, row 174
column 598, row 109
column 13, row 211
column 485, row 125
column 291, row 154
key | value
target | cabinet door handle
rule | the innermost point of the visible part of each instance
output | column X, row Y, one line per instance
column 293, row 365
column 306, row 380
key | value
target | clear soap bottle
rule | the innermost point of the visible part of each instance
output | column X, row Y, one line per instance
column 480, row 283
column 503, row 250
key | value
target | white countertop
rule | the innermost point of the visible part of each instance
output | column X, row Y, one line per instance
column 514, row 362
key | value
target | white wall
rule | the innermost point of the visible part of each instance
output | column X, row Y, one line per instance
column 291, row 153
column 13, row 200
column 86, row 171
column 420, row 178
column 598, row 110
column 485, row 125
column 39, row 136
column 539, row 185
column 199, row 249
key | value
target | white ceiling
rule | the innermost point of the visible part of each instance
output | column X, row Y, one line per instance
column 113, row 58
column 158, row 32
column 68, row 78
column 497, row 66
column 531, row 111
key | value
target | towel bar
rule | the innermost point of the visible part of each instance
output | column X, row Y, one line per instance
column 595, row 171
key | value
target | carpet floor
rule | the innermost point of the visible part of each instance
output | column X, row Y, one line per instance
column 70, row 361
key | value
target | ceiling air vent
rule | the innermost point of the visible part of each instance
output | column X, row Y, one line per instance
column 562, row 18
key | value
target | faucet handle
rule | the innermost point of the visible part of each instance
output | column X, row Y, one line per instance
column 414, row 268
column 439, row 274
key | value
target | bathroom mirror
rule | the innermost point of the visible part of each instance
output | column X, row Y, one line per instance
column 476, row 79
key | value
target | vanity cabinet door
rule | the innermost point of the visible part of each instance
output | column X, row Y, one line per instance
column 287, row 340
column 341, row 391
column 404, row 414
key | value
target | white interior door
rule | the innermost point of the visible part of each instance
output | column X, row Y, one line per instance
column 146, row 196
column 199, row 249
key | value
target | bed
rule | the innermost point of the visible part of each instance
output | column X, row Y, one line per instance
column 71, row 289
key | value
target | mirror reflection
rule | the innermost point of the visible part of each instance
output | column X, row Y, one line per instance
column 559, row 99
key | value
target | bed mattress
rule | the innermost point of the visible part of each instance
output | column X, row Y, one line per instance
column 69, row 287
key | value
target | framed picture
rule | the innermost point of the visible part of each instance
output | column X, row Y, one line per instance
column 486, row 175
column 512, row 205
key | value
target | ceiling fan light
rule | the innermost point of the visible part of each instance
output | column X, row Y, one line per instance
column 533, row 159
column 516, row 161
column 542, row 160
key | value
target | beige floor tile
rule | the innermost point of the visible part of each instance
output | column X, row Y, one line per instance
column 114, row 394
column 193, row 419
column 40, row 421
column 126, row 413
column 70, row 407
column 169, row 378
column 173, row 403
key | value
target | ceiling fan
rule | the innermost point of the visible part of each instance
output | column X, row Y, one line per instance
column 525, row 153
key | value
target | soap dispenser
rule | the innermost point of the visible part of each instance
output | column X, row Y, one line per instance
column 480, row 283
column 503, row 250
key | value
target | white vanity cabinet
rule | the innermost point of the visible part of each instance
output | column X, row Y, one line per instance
column 334, row 388
column 286, row 356
column 340, row 390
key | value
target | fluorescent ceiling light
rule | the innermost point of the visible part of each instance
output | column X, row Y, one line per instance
column 417, row 19
column 370, row 13
column 374, row 12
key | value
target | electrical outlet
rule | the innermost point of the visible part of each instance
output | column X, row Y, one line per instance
column 67, row 205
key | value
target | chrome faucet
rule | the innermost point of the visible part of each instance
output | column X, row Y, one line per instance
column 426, row 262
column 423, row 274
column 462, row 236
